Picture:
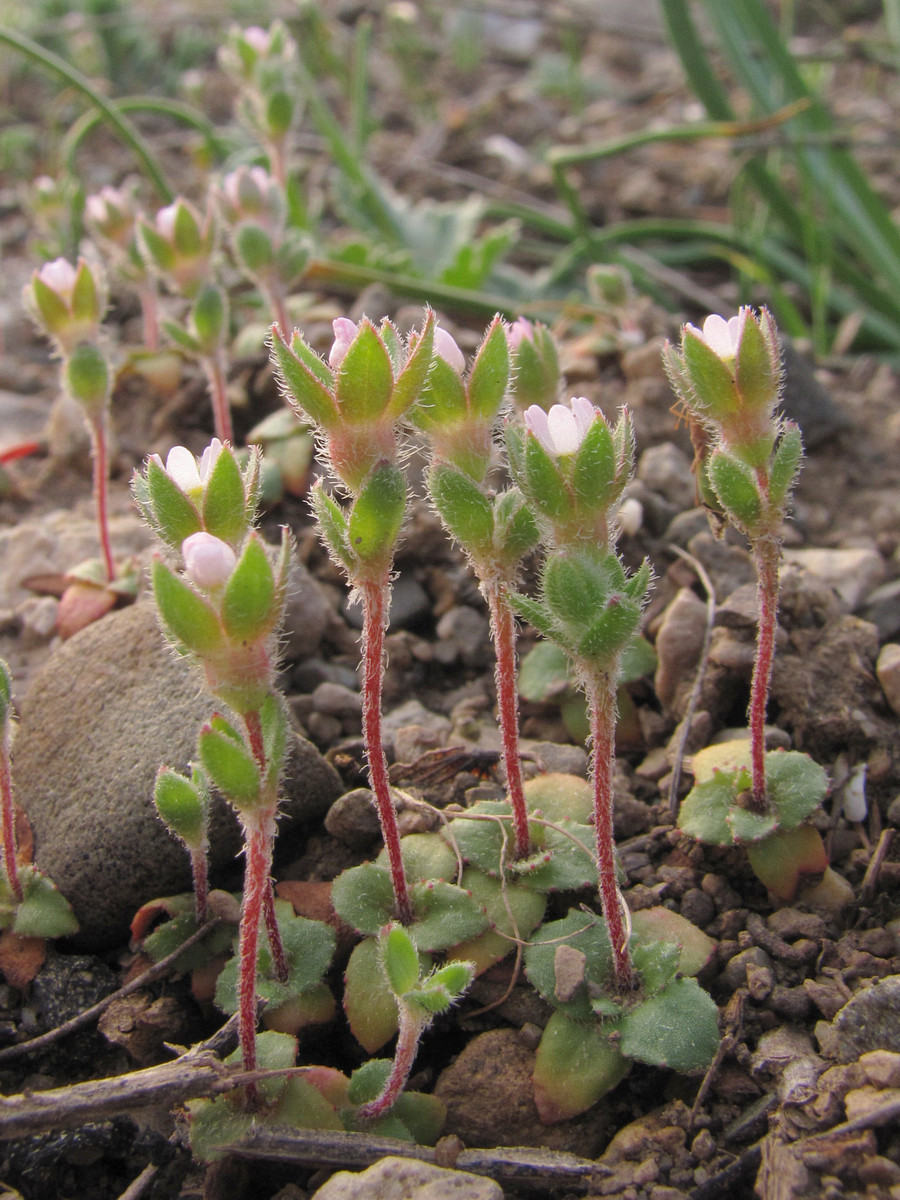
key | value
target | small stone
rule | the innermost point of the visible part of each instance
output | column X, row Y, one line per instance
column 729, row 566
column 790, row 923
column 679, row 644
column 882, row 1068
column 335, row 700
column 307, row 614
column 556, row 758
column 412, row 741
column 852, row 573
column 882, row 608
column 703, row 1147
column 406, row 1179
column 888, row 671
column 667, row 470
column 760, row 981
column 353, row 818
column 468, row 632
column 731, row 652
column 722, row 893
column 735, row 973
column 865, row 1100
column 697, row 907
column 869, row 1021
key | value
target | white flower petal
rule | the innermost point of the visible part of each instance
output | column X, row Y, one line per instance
column 345, row 331
column 584, row 413
column 209, row 458
column 718, row 336
column 564, row 429
column 536, row 423
column 181, row 466
column 59, row 275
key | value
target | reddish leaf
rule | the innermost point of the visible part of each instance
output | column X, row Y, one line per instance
column 21, row 958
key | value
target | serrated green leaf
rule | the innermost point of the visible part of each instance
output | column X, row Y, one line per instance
column 796, row 784
column 444, row 915
column 704, row 810
column 248, row 608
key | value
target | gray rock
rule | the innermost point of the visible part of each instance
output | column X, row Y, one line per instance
column 109, row 707
column 667, row 469
column 409, row 605
column 335, row 700
column 353, row 818
column 678, row 646
column 307, row 613
column 888, row 672
column 869, row 1021
column 406, row 1179
column 728, row 566
column 468, row 633
column 853, row 573
column 882, row 608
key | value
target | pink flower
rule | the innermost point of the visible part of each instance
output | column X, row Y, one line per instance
column 562, row 430
column 345, row 331
column 165, row 221
column 60, row 277
column 257, row 38
column 723, row 337
column 446, row 348
column 208, row 560
column 518, row 332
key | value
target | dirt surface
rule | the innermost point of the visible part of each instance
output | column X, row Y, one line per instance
column 803, row 1100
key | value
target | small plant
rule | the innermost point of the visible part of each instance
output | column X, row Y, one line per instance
column 572, row 469
column 224, row 610
column 358, row 400
column 728, row 377
column 30, row 905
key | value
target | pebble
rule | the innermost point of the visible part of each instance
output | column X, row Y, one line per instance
column 679, row 643
column 335, row 700
column 109, row 707
column 888, row 671
column 466, row 632
column 697, row 907
column 882, row 1068
column 353, row 818
column 735, row 973
column 790, row 923
column 807, row 401
column 853, row 573
column 308, row 613
column 557, row 758
column 406, row 1179
column 869, row 1021
column 729, row 566
column 410, row 605
column 882, row 608
column 667, row 470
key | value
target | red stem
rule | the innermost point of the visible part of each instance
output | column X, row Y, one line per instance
column 279, row 957
column 411, row 1027
column 767, row 551
column 601, row 697
column 503, row 626
column 101, row 472
column 374, row 618
column 9, row 826
column 201, row 885
column 22, row 450
column 257, row 854
column 215, row 375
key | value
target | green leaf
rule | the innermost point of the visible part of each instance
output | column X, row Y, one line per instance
column 187, row 237
column 543, row 483
column 735, row 487
column 545, row 673
column 785, row 464
column 489, row 376
column 704, row 810
column 401, row 961
column 377, row 514
column 175, row 517
column 367, row 1082
column 333, row 526
column 677, row 1028
column 481, row 842
column 463, row 507
column 534, row 612
column 363, row 897
column 657, row 924
column 564, row 862
column 87, row 377
column 253, row 248
column 715, row 393
column 188, row 618
column 756, row 373
column 442, row 400
column 425, row 856
column 594, row 478
column 230, row 767
column 516, row 531
column 249, row 610
column 369, row 1003
column 224, row 502
column 304, row 385
column 575, row 1065
column 560, row 797
column 747, row 826
column 611, row 632
column 656, row 963
column 365, row 378
column 44, row 911
column 412, row 379
column 444, row 915
column 181, row 806
column 796, row 784
column 210, row 317
column 309, row 948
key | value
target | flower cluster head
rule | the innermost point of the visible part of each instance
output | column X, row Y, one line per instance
column 572, row 468
column 263, row 63
column 179, row 245
column 67, row 302
column 728, row 377
column 110, row 215
column 227, row 605
column 251, row 194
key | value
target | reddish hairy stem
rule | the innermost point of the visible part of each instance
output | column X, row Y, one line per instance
column 767, row 552
column 101, row 472
column 279, row 957
column 374, row 617
column 201, row 885
column 9, row 828
column 411, row 1027
column 215, row 375
column 503, row 626
column 601, row 696
column 257, row 854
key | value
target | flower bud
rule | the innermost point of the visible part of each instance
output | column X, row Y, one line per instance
column 179, row 245
column 562, row 430
column 445, row 347
column 535, row 363
column 67, row 301
column 345, row 331
column 208, row 561
column 110, row 216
